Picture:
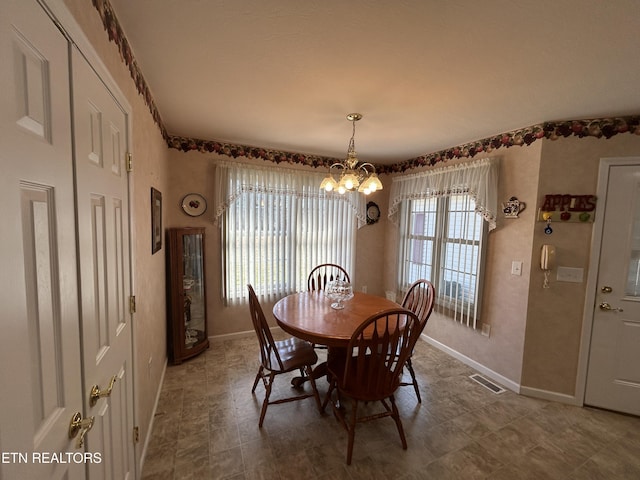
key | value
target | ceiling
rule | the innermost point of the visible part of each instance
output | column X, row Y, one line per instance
column 425, row 74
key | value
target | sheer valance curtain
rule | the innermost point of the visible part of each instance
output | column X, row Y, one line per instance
column 478, row 179
column 235, row 178
column 277, row 225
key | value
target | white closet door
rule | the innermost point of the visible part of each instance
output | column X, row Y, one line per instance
column 40, row 342
column 100, row 135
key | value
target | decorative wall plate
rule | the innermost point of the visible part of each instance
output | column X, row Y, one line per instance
column 194, row 204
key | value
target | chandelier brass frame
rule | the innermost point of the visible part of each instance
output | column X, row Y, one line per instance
column 354, row 175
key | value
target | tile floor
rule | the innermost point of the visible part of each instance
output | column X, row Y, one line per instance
column 206, row 427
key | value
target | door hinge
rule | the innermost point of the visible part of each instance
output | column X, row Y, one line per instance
column 132, row 304
column 136, row 434
column 129, row 162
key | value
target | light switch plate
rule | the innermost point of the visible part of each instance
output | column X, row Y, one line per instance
column 516, row 268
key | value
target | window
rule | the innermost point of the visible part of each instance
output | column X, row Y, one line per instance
column 276, row 225
column 444, row 217
column 442, row 241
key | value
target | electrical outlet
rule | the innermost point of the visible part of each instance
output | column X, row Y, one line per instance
column 364, row 289
column 486, row 329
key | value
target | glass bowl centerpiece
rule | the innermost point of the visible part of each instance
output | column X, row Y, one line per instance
column 338, row 291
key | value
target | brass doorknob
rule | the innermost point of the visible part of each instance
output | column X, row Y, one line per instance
column 606, row 306
column 97, row 394
column 82, row 425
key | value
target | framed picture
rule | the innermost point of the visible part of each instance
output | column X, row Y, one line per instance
column 156, row 220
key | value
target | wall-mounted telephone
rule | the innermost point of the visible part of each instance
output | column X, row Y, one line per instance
column 547, row 257
column 547, row 262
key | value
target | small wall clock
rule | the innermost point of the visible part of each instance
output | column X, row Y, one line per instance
column 194, row 204
column 373, row 213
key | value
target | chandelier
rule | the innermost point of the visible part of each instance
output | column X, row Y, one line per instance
column 354, row 175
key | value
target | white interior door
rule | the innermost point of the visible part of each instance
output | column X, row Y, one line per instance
column 613, row 378
column 40, row 342
column 100, row 128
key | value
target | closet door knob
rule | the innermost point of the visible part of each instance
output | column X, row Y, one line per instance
column 81, row 425
column 96, row 394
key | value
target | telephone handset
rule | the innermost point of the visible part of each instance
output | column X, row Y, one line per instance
column 547, row 262
column 547, row 257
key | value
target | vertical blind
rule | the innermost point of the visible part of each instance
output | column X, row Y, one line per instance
column 276, row 225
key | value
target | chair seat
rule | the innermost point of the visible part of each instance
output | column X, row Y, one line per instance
column 294, row 353
column 279, row 357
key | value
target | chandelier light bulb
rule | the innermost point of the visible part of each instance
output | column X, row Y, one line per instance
column 328, row 183
column 374, row 182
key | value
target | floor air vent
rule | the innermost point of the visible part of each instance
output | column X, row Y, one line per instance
column 486, row 383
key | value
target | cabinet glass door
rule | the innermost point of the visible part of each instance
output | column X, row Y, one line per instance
column 193, row 289
column 187, row 294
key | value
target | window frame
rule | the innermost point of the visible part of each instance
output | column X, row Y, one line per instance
column 433, row 269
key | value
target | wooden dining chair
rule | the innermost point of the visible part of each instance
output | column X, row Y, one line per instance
column 325, row 273
column 278, row 357
column 321, row 275
column 419, row 299
column 371, row 370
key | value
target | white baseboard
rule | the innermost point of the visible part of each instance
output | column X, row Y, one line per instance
column 231, row 336
column 246, row 333
column 496, row 377
column 507, row 383
column 552, row 396
column 153, row 416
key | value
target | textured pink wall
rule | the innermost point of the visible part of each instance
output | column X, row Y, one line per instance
column 555, row 315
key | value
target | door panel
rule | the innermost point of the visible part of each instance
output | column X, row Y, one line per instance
column 102, row 204
column 40, row 342
column 613, row 378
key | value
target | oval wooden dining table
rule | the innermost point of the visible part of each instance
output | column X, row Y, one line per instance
column 309, row 316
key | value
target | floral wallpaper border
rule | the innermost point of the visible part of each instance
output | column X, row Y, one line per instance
column 116, row 35
column 598, row 128
column 187, row 144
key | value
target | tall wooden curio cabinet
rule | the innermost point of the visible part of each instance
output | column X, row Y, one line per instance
column 187, row 309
